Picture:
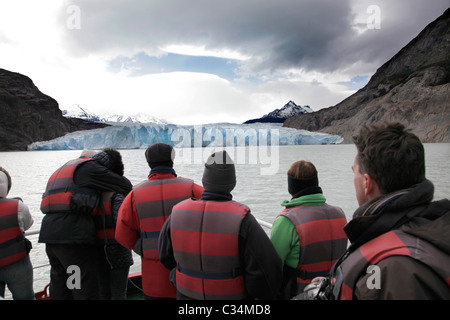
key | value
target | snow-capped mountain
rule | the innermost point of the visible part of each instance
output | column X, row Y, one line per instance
column 76, row 111
column 279, row 115
column 136, row 118
column 290, row 109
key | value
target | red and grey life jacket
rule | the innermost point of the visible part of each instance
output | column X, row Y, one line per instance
column 104, row 221
column 388, row 244
column 154, row 200
column 60, row 188
column 205, row 237
column 322, row 240
column 12, row 240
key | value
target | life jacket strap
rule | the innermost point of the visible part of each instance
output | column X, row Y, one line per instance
column 150, row 234
column 210, row 275
column 11, row 241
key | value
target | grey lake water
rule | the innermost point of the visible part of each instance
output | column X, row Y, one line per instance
column 261, row 179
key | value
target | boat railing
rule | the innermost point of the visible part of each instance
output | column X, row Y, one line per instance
column 264, row 223
column 31, row 232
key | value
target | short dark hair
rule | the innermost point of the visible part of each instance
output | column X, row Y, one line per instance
column 392, row 155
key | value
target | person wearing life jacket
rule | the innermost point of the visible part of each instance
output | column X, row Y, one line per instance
column 143, row 213
column 400, row 239
column 68, row 228
column 114, row 259
column 15, row 219
column 309, row 234
column 214, row 246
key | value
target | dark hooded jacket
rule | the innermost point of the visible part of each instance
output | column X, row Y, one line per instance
column 76, row 228
column 403, row 277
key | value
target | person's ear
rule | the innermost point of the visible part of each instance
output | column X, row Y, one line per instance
column 371, row 188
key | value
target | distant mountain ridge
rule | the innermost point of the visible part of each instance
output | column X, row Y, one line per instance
column 76, row 111
column 413, row 87
column 290, row 109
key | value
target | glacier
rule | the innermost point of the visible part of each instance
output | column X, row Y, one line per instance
column 136, row 136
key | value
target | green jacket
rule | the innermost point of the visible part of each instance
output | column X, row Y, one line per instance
column 284, row 235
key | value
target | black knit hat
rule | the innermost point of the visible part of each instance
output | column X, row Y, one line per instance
column 219, row 175
column 160, row 154
column 296, row 185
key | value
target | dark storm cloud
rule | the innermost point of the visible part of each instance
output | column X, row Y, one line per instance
column 276, row 34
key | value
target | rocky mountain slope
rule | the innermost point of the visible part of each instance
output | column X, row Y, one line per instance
column 290, row 109
column 28, row 115
column 413, row 87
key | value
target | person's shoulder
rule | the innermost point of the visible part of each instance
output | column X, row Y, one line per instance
column 184, row 179
column 88, row 165
column 242, row 205
column 439, row 205
column 400, row 277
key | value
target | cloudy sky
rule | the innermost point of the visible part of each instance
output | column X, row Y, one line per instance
column 202, row 61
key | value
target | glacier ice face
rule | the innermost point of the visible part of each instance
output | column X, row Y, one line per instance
column 134, row 136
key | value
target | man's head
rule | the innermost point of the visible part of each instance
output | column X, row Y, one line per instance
column 389, row 158
column 301, row 175
column 5, row 182
column 160, row 154
column 219, row 175
column 110, row 158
